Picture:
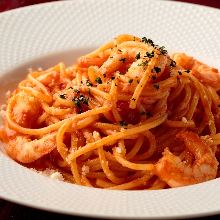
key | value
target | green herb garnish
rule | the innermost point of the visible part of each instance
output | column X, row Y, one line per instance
column 130, row 81
column 98, row 80
column 63, row 96
column 123, row 60
column 138, row 56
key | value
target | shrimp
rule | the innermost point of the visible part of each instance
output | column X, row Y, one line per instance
column 128, row 52
column 25, row 150
column 203, row 72
column 136, row 70
column 176, row 173
column 91, row 61
column 26, row 109
column 113, row 63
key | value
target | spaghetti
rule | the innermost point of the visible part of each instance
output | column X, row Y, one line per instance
column 126, row 116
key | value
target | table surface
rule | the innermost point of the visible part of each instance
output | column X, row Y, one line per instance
column 13, row 211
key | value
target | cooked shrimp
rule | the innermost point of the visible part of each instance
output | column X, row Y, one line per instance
column 200, row 70
column 176, row 173
column 91, row 61
column 113, row 63
column 26, row 109
column 25, row 150
column 136, row 70
column 128, row 52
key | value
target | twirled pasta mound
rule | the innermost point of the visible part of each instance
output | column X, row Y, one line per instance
column 125, row 116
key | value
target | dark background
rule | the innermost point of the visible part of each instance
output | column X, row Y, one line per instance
column 11, row 211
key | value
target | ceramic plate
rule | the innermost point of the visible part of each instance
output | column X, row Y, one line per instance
column 45, row 34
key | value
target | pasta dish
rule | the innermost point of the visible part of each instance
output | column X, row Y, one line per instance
column 125, row 116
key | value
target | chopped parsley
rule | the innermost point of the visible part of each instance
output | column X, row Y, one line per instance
column 138, row 56
column 113, row 77
column 104, row 75
column 88, row 83
column 123, row 123
column 130, row 81
column 70, row 87
column 133, row 99
column 123, row 60
column 79, row 100
column 111, row 57
column 76, row 91
column 157, row 69
column 98, row 80
column 143, row 63
column 147, row 41
column 63, row 96
column 180, row 73
column 162, row 50
column 172, row 63
column 119, row 50
column 187, row 71
column 156, row 86
column 149, row 55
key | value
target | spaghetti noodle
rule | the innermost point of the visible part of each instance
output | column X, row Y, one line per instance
column 126, row 116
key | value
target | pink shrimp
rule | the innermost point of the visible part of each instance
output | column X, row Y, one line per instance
column 176, row 173
column 25, row 150
column 26, row 109
column 200, row 70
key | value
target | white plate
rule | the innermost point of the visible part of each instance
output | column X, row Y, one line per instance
column 69, row 26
